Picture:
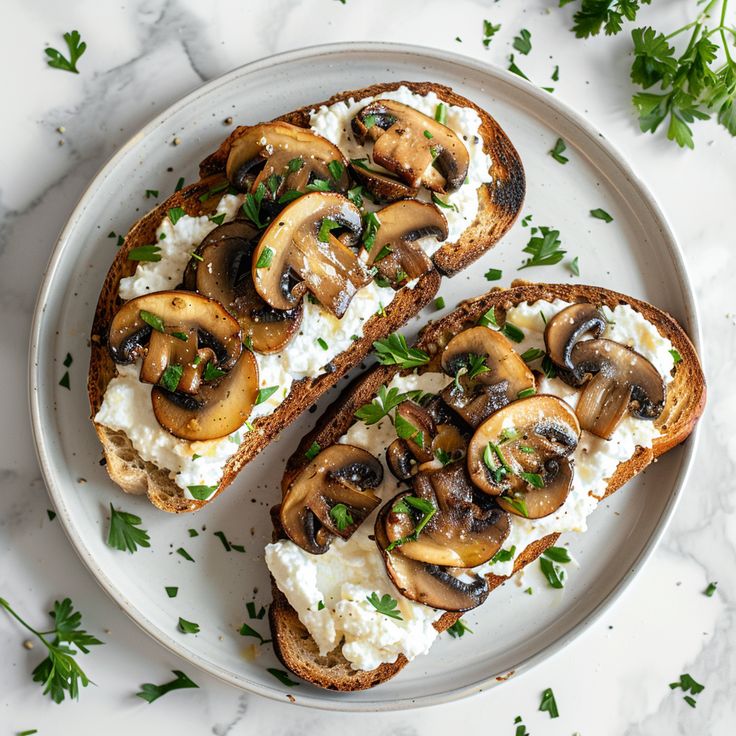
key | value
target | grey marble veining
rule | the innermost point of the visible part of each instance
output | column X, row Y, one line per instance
column 145, row 54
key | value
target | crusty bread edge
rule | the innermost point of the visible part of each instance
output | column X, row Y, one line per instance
column 676, row 423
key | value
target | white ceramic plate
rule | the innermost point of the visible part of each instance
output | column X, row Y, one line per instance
column 636, row 254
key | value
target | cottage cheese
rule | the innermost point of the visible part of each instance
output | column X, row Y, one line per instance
column 351, row 570
column 333, row 123
column 127, row 402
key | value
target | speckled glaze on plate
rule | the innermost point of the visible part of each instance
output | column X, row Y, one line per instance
column 635, row 254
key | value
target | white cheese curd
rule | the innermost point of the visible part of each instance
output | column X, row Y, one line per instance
column 351, row 570
column 176, row 250
column 333, row 123
column 127, row 407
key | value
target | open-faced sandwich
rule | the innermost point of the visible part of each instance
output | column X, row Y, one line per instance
column 232, row 306
column 502, row 427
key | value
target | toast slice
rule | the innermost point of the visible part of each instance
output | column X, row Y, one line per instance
column 684, row 405
column 499, row 205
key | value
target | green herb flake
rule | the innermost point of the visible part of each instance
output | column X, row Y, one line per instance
column 201, row 492
column 321, row 606
column 188, row 627
column 145, row 253
column 171, row 376
column 181, row 551
column 515, row 69
column 710, row 590
column 179, row 184
column 313, row 451
column 172, row 591
column 265, row 393
column 676, row 356
column 76, row 48
column 512, row 332
column 385, row 605
column 445, row 205
column 124, row 534
column 504, row 555
column 494, row 274
column 601, row 214
column 175, row 214
column 544, row 248
column 265, row 258
column 336, row 169
column 51, row 514
column 212, row 372
column 394, row 350
column 458, row 629
column 340, row 514
column 152, row 320
column 529, row 356
column 251, row 607
column 150, row 692
column 488, row 319
column 526, row 393
column 523, row 42
column 440, row 113
column 556, row 74
column 65, row 381
column 439, row 302
column 247, row 630
column 557, row 151
column 550, row 561
column 218, row 219
column 252, row 206
column 371, row 227
column 193, row 532
column 151, row 193
column 294, row 165
column 489, row 31
column 282, row 677
column 549, row 704
column 575, row 266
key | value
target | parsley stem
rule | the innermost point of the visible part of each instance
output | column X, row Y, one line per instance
column 724, row 7
column 8, row 608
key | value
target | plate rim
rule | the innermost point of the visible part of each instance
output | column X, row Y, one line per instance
column 44, row 455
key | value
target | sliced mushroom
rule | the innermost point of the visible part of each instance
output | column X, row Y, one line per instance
column 521, row 454
column 395, row 252
column 296, row 156
column 488, row 373
column 291, row 259
column 218, row 408
column 420, row 428
column 382, row 187
column 339, row 475
column 400, row 459
column 565, row 328
column 415, row 147
column 224, row 272
column 622, row 380
column 447, row 588
column 185, row 325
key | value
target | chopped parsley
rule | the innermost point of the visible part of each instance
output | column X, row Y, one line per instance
column 676, row 356
column 151, row 193
column 439, row 302
column 179, row 184
column 525, row 393
column 325, row 229
column 558, row 150
column 710, row 590
column 575, row 266
column 489, row 31
column 445, row 205
column 282, row 677
column 341, row 515
column 124, row 532
column 529, row 356
column 550, row 561
column 171, row 376
column 488, row 319
column 218, row 219
column 493, row 274
column 65, row 381
column 172, row 591
column 252, row 206
column 393, row 350
column 523, row 42
column 407, row 431
column 150, row 692
column 175, row 214
column 543, row 248
column 188, row 627
column 265, row 393
column 76, row 48
column 227, row 544
column 265, row 258
column 504, row 555
column 313, row 451
column 181, row 551
column 247, row 630
column 688, row 684
column 440, row 113
column 145, row 253
column 294, row 165
column 458, row 629
column 512, row 332
column 515, row 69
column 336, row 169
column 386, row 605
column 201, row 492
column 371, row 224
column 384, row 402
column 251, row 607
column 425, row 507
column 549, row 704
column 601, row 214
column 212, row 372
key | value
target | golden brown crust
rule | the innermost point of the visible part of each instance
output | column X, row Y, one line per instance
column 499, row 201
column 499, row 206
column 685, row 403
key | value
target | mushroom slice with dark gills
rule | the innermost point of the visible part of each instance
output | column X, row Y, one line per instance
column 381, row 186
column 615, row 378
column 223, row 272
column 395, row 252
column 220, row 406
column 331, row 496
column 284, row 157
column 521, row 455
column 174, row 328
column 488, row 373
column 299, row 253
column 415, row 147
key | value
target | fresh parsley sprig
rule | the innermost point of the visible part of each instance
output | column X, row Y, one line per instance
column 543, row 248
column 60, row 673
column 124, row 532
column 393, row 350
column 76, row 47
column 550, row 561
column 609, row 15
column 385, row 402
column 386, row 605
column 150, row 692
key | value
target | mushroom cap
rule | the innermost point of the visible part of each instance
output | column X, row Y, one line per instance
column 521, row 453
column 395, row 252
column 276, row 144
column 432, row 585
column 339, row 474
column 476, row 397
column 383, row 188
column 218, row 408
column 224, row 272
column 293, row 259
column 414, row 146
column 566, row 327
column 466, row 530
column 622, row 380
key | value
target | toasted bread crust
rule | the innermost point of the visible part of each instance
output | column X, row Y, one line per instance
column 498, row 208
column 685, row 403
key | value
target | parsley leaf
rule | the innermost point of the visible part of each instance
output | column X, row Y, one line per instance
column 489, row 31
column 60, row 673
column 265, row 393
column 124, row 533
column 247, row 630
column 188, row 627
column 265, row 258
column 281, row 676
column 551, row 570
column 325, row 229
column 212, row 372
column 381, row 405
column 150, row 692
column 171, row 376
column 340, row 514
column 558, row 150
column 393, row 350
column 600, row 214
column 386, row 605
column 493, row 274
column 458, row 629
column 252, row 206
column 201, row 492
column 523, row 42
column 76, row 48
column 294, row 165
column 710, row 590
column 313, row 451
column 145, row 253
column 549, row 703
column 544, row 248
column 515, row 69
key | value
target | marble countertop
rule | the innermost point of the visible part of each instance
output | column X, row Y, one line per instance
column 145, row 54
